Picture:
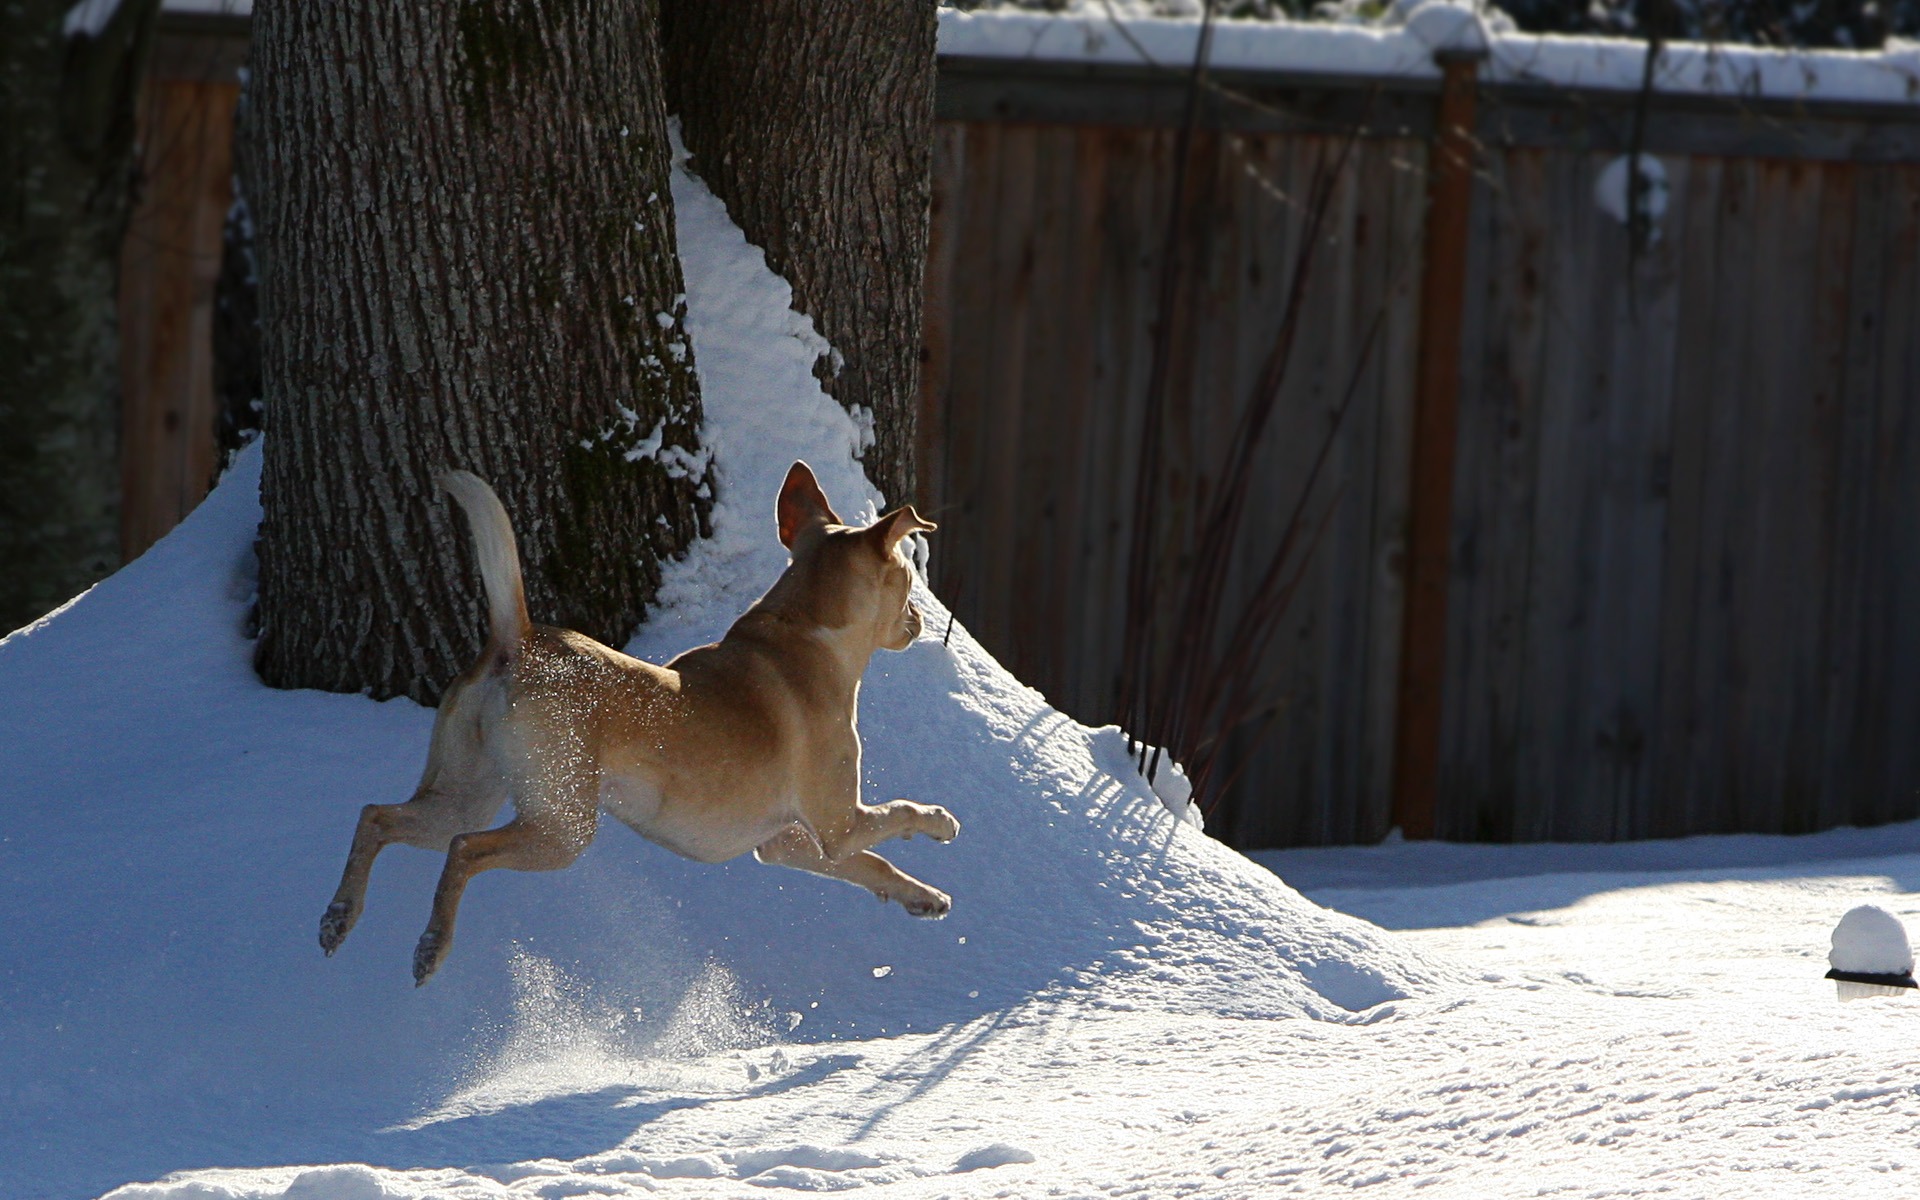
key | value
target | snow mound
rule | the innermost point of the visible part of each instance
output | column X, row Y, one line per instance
column 1869, row 940
column 174, row 830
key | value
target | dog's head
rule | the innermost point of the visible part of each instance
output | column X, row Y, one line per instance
column 856, row 580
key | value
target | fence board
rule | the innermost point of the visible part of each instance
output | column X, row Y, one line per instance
column 1685, row 713
column 1856, row 587
column 1644, row 294
column 169, row 265
column 1346, row 763
column 1392, row 454
column 1786, row 490
column 1043, row 411
column 936, row 318
column 1897, row 495
column 1493, row 501
column 1830, row 357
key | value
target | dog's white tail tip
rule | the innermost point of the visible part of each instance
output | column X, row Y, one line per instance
column 497, row 552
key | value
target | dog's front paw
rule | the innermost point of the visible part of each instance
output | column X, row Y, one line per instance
column 336, row 924
column 931, row 903
column 428, row 955
column 939, row 824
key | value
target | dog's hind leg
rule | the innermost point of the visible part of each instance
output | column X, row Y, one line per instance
column 547, row 841
column 435, row 815
column 378, row 828
column 795, row 847
column 460, row 790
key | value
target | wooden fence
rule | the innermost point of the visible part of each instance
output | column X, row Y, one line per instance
column 1686, row 501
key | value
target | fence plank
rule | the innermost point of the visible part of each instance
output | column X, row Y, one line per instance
column 1856, row 586
column 1897, row 499
column 1494, row 499
column 1350, row 533
column 937, row 318
column 1785, row 491
column 1551, row 761
column 1637, row 397
column 1035, row 468
column 1840, row 419
column 169, row 265
column 968, row 536
column 1686, row 585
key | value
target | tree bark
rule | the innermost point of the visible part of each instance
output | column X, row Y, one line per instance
column 466, row 254
column 66, row 189
column 813, row 121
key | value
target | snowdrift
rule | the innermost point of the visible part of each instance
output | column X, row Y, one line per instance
column 173, row 830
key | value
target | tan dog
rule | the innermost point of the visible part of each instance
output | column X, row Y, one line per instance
column 747, row 744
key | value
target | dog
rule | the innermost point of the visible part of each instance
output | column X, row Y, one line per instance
column 746, row 744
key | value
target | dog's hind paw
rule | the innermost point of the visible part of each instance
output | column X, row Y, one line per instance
column 336, row 924
column 428, row 955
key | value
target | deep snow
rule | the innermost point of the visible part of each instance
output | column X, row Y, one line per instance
column 1117, row 1006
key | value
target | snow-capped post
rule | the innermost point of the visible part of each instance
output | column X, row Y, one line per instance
column 1871, row 955
column 465, row 234
column 1460, row 45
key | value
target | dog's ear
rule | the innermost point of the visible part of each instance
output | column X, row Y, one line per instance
column 801, row 504
column 902, row 522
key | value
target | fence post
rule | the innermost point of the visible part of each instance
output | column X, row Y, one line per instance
column 1436, row 404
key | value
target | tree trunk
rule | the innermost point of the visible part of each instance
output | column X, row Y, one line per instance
column 66, row 175
column 465, row 245
column 813, row 121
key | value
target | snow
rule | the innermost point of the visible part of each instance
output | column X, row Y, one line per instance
column 207, row 8
column 1610, row 189
column 1869, row 940
column 1404, row 49
column 89, row 18
column 1400, row 48
column 1117, row 1006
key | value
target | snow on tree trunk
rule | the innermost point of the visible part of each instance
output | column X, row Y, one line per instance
column 466, row 255
column 66, row 174
column 813, row 121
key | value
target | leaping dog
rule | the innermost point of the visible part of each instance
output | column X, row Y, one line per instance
column 746, row 744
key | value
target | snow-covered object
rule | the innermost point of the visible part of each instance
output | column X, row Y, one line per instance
column 1871, row 955
column 1446, row 27
column 1402, row 51
column 1869, row 940
column 1610, row 189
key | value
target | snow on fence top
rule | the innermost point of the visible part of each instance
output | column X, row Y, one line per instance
column 1404, row 47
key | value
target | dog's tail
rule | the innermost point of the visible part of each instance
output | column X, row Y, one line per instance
column 499, row 556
